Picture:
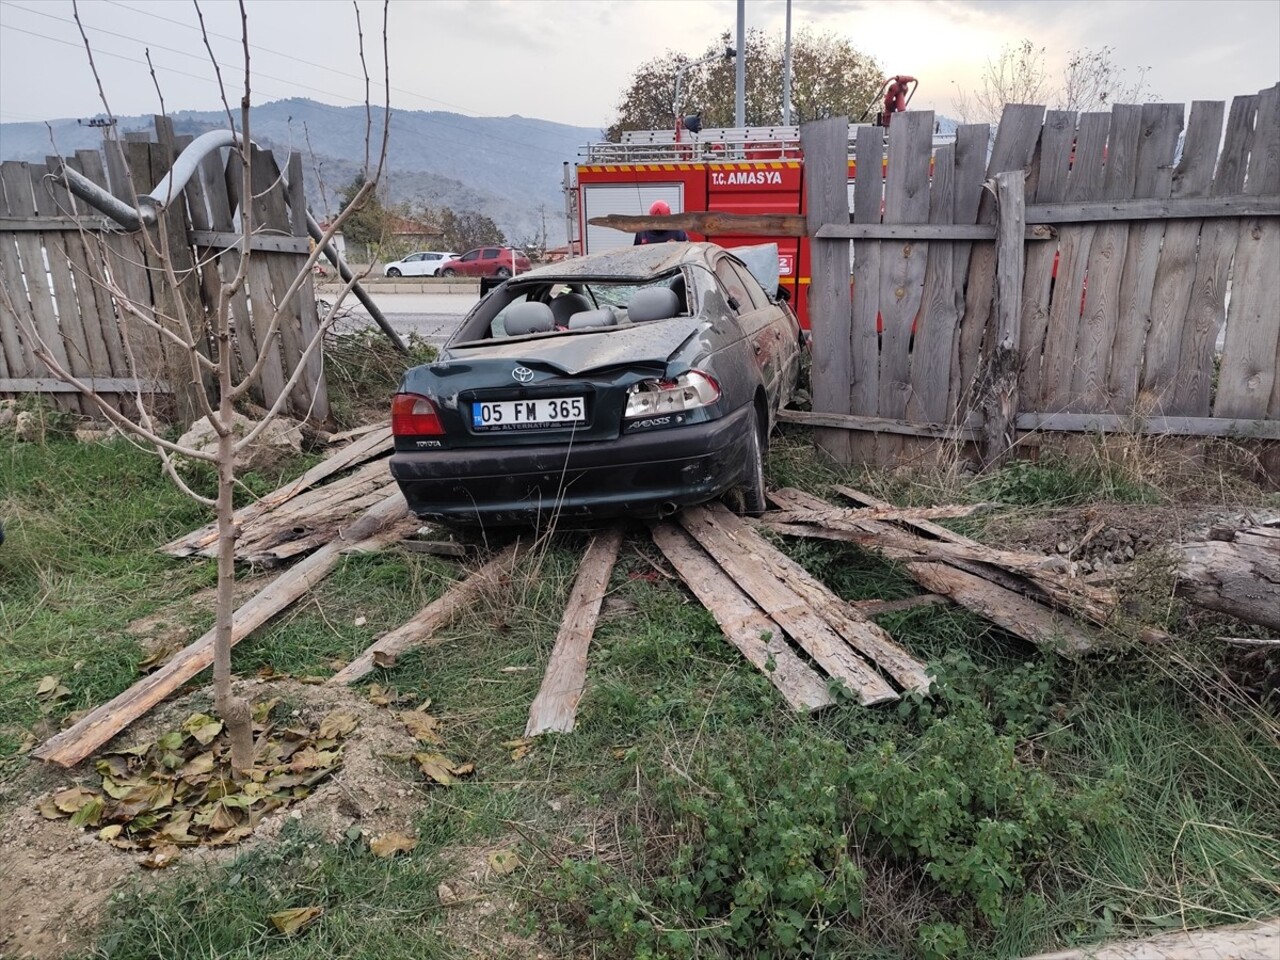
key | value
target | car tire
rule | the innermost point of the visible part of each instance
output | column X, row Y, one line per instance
column 393, row 272
column 502, row 272
column 750, row 497
column 448, row 272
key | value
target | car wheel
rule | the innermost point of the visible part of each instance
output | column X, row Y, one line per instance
column 393, row 272
column 449, row 272
column 502, row 272
column 750, row 498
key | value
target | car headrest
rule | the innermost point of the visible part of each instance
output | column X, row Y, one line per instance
column 653, row 303
column 604, row 317
column 529, row 317
column 566, row 305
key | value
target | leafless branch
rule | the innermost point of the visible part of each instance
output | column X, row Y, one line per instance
column 217, row 70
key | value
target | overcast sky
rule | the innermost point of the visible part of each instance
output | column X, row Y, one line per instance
column 567, row 60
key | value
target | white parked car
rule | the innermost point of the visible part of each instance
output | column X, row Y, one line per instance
column 424, row 263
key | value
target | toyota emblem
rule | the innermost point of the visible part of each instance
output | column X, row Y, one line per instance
column 522, row 374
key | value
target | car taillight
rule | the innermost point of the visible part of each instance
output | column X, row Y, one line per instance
column 414, row 416
column 686, row 392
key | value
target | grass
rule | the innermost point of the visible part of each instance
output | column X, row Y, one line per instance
column 1033, row 803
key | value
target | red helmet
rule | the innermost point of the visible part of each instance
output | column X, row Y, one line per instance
column 659, row 208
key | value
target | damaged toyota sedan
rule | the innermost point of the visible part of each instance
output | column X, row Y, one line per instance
column 627, row 383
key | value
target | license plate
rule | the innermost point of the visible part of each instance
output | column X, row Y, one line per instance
column 528, row 414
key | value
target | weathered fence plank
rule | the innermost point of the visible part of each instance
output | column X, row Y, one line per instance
column 1098, row 321
column 939, row 315
column 825, row 144
column 864, row 339
column 1248, row 371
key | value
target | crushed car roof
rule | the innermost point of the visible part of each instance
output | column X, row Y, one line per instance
column 646, row 260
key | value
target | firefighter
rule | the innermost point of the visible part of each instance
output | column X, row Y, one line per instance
column 659, row 208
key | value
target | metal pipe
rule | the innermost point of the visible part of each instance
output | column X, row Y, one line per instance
column 786, row 73
column 99, row 198
column 740, row 79
column 185, row 166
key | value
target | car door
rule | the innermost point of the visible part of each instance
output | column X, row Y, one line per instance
column 431, row 264
column 756, row 316
column 469, row 264
column 489, row 262
column 413, row 266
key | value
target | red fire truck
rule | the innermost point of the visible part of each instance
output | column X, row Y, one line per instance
column 749, row 171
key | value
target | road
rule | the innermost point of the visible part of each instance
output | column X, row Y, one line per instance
column 432, row 316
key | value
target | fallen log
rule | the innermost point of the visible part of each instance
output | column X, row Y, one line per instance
column 993, row 601
column 92, row 731
column 789, row 609
column 1240, row 576
column 1259, row 940
column 418, row 631
column 842, row 517
column 870, row 640
column 744, row 625
column 555, row 708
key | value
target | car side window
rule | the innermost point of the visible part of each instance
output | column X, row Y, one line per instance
column 471, row 255
column 749, row 284
column 490, row 255
column 732, row 285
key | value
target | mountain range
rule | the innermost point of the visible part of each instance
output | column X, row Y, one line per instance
column 509, row 168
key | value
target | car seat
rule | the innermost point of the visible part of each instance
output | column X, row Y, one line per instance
column 653, row 303
column 566, row 305
column 604, row 317
column 529, row 317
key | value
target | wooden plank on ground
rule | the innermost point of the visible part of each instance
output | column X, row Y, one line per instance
column 1248, row 370
column 868, row 639
column 460, row 596
column 374, row 444
column 1161, row 127
column 825, row 144
column 744, row 625
column 93, row 731
column 1104, row 268
column 835, row 516
column 788, row 608
column 974, row 587
column 902, row 269
column 555, row 708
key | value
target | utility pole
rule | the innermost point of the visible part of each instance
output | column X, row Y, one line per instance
column 786, row 73
column 740, row 80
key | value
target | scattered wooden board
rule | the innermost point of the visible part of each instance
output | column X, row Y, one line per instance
column 790, row 610
column 995, row 602
column 93, row 731
column 870, row 640
column 555, row 708
column 1239, row 576
column 420, row 630
column 1258, row 940
column 743, row 624
column 874, row 608
column 833, row 516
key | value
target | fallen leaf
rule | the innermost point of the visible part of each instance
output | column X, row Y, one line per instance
column 49, row 810
column 337, row 724
column 262, row 710
column 111, row 832
column 446, row 894
column 89, row 814
column 423, row 726
column 519, row 748
column 46, row 687
column 336, row 665
column 290, row 922
column 313, row 680
column 160, row 857
column 200, row 765
column 389, row 844
column 73, row 798
column 423, row 705
column 503, row 862
column 441, row 769
column 360, row 621
column 202, row 728
column 170, row 741
column 381, row 696
column 384, row 659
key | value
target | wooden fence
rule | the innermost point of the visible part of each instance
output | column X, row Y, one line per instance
column 73, row 279
column 1122, row 277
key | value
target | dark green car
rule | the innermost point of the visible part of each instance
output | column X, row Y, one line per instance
column 628, row 383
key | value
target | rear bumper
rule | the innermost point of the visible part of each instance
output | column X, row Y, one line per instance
column 639, row 475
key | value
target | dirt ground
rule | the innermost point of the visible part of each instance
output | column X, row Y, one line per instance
column 55, row 878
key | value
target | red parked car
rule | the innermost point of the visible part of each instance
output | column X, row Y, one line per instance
column 487, row 262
